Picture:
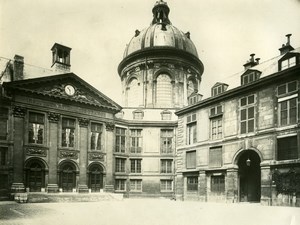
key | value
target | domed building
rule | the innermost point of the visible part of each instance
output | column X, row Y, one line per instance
column 161, row 67
column 160, row 73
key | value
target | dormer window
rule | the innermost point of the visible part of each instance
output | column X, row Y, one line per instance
column 287, row 63
column 194, row 98
column 218, row 88
column 250, row 77
column 289, row 60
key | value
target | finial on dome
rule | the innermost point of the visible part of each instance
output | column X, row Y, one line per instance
column 160, row 13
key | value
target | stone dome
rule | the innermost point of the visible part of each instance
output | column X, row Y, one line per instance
column 160, row 34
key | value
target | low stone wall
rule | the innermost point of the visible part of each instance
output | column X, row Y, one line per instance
column 72, row 197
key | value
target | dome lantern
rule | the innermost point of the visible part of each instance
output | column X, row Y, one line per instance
column 160, row 13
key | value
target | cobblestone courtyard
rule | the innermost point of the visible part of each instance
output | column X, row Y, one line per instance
column 145, row 212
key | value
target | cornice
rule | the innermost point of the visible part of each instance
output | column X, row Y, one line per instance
column 254, row 86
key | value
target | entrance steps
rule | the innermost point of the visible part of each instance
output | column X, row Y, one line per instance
column 38, row 197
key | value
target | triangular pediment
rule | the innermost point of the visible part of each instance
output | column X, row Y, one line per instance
column 250, row 71
column 68, row 86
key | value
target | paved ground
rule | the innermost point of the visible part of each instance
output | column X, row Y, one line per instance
column 145, row 212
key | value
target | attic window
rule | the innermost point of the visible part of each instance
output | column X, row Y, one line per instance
column 217, row 90
column 287, row 63
column 166, row 115
column 193, row 99
column 138, row 115
column 249, row 78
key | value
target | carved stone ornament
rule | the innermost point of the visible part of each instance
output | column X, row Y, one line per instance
column 36, row 151
column 96, row 156
column 68, row 154
column 109, row 126
column 19, row 111
column 83, row 122
column 53, row 117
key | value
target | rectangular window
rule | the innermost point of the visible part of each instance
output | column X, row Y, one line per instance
column 191, row 133
column 166, row 185
column 216, row 128
column 191, row 160
column 248, row 78
column 288, row 63
column 192, row 183
column 120, row 165
column 3, row 156
column 36, row 128
column 247, row 113
column 96, row 133
column 287, row 148
column 135, row 165
column 120, row 184
column 3, row 123
column 135, row 185
column 217, row 110
column 166, row 115
column 166, row 165
column 166, row 139
column 138, row 115
column 217, row 90
column 288, row 112
column 120, row 140
column 68, row 133
column 218, row 184
column 136, row 141
column 215, row 157
column 287, row 88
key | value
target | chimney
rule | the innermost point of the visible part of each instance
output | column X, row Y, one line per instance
column 286, row 47
column 251, row 62
column 61, row 58
column 257, row 61
column 18, row 68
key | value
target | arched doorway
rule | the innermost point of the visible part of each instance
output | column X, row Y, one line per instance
column 67, row 177
column 35, row 175
column 249, row 176
column 96, row 177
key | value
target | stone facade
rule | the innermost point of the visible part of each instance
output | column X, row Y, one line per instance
column 50, row 142
column 249, row 150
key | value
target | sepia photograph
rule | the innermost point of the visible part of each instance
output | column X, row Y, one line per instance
column 150, row 112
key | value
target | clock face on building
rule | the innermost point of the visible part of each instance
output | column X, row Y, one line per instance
column 70, row 90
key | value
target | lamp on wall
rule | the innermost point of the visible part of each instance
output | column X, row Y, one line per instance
column 248, row 161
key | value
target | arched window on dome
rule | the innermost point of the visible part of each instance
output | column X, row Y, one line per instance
column 191, row 87
column 134, row 93
column 163, row 91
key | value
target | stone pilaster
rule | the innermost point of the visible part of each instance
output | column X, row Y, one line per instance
column 18, row 152
column 266, row 185
column 53, row 119
column 232, row 184
column 82, row 186
column 179, row 191
column 202, row 186
column 109, row 145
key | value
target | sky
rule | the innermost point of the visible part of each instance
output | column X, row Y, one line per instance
column 225, row 33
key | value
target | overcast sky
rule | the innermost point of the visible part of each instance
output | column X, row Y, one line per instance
column 225, row 33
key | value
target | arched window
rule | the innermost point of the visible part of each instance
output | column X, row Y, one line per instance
column 164, row 91
column 190, row 87
column 134, row 93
